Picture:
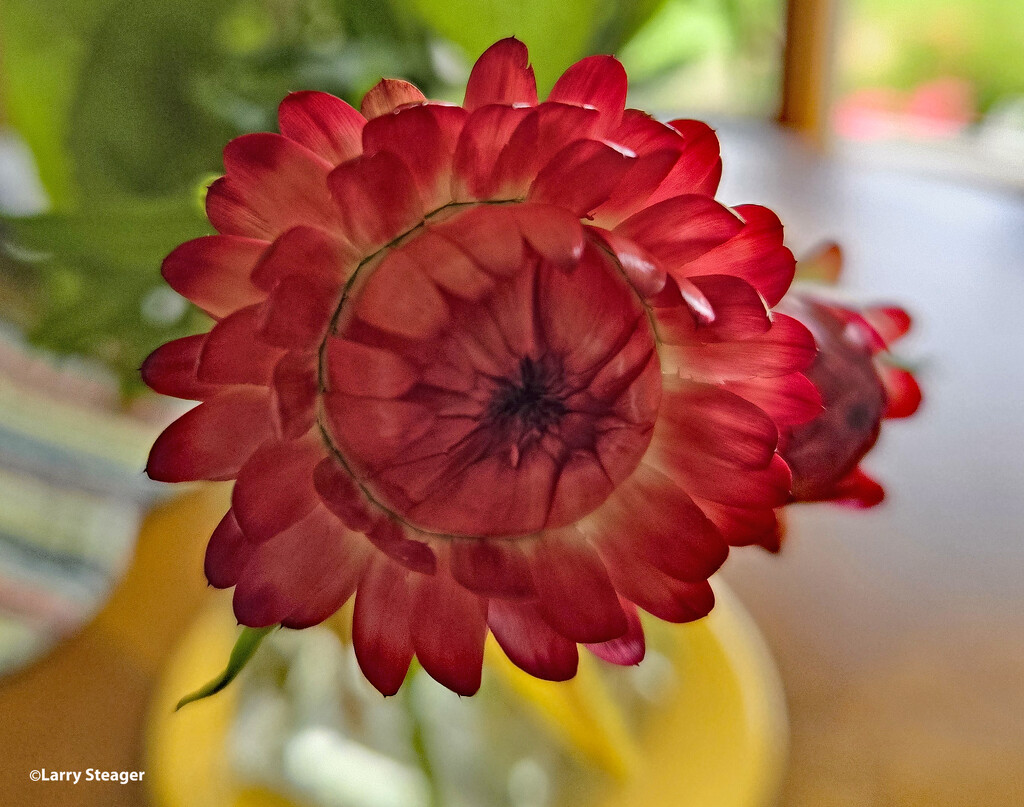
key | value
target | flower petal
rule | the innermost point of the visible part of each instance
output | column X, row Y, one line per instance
column 580, row 177
column 889, row 321
column 699, row 166
column 380, row 625
column 575, row 596
column 213, row 272
column 275, row 487
column 530, row 643
column 681, row 229
column 788, row 399
column 485, row 134
column 755, row 254
column 377, row 197
column 502, row 75
column 171, row 369
column 650, row 516
column 628, row 650
column 233, row 354
column 311, row 567
column 324, row 124
column 294, row 391
column 449, row 625
column 787, row 347
column 213, row 440
column 707, row 421
column 491, row 568
column 272, row 184
column 298, row 312
column 901, row 389
column 740, row 312
column 425, row 137
column 308, row 253
column 227, row 553
column 596, row 81
column 387, row 95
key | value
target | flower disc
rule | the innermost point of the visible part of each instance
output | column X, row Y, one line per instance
column 509, row 402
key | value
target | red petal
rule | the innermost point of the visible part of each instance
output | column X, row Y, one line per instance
column 627, row 650
column 309, row 569
column 857, row 489
column 502, row 75
column 597, row 81
column 539, row 136
column 890, row 322
column 391, row 538
column 574, row 593
column 294, row 389
column 298, row 312
column 488, row 235
column 787, row 347
column 742, row 527
column 377, row 197
column 491, row 568
column 649, row 516
column 342, row 496
column 387, row 95
column 308, row 253
column 227, row 553
column 902, row 390
column 425, row 137
column 449, row 625
column 358, row 369
column 681, row 229
column 639, row 266
column 380, row 625
column 645, row 174
column 171, row 369
column 232, row 353
column 553, row 232
column 487, row 131
column 756, row 254
column 530, row 643
column 581, row 177
column 788, row 399
column 213, row 440
column 740, row 312
column 699, row 167
column 400, row 299
column 213, row 272
column 272, row 184
column 707, row 421
column 325, row 125
column 275, row 487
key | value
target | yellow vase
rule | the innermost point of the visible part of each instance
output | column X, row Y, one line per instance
column 718, row 740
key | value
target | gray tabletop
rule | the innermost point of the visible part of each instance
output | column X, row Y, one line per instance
column 900, row 631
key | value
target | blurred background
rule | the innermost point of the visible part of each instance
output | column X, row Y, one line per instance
column 896, row 128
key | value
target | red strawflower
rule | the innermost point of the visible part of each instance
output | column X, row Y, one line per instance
column 501, row 367
column 860, row 386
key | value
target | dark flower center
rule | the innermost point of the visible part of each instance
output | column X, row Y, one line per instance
column 530, row 401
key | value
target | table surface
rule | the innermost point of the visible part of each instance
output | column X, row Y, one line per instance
column 899, row 632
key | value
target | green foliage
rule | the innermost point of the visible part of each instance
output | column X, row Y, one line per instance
column 245, row 648
column 126, row 105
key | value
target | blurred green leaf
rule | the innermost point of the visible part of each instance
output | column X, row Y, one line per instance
column 39, row 66
column 241, row 654
column 135, row 125
column 556, row 33
column 98, row 275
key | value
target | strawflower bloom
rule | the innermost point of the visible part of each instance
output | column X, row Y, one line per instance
column 860, row 384
column 505, row 367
